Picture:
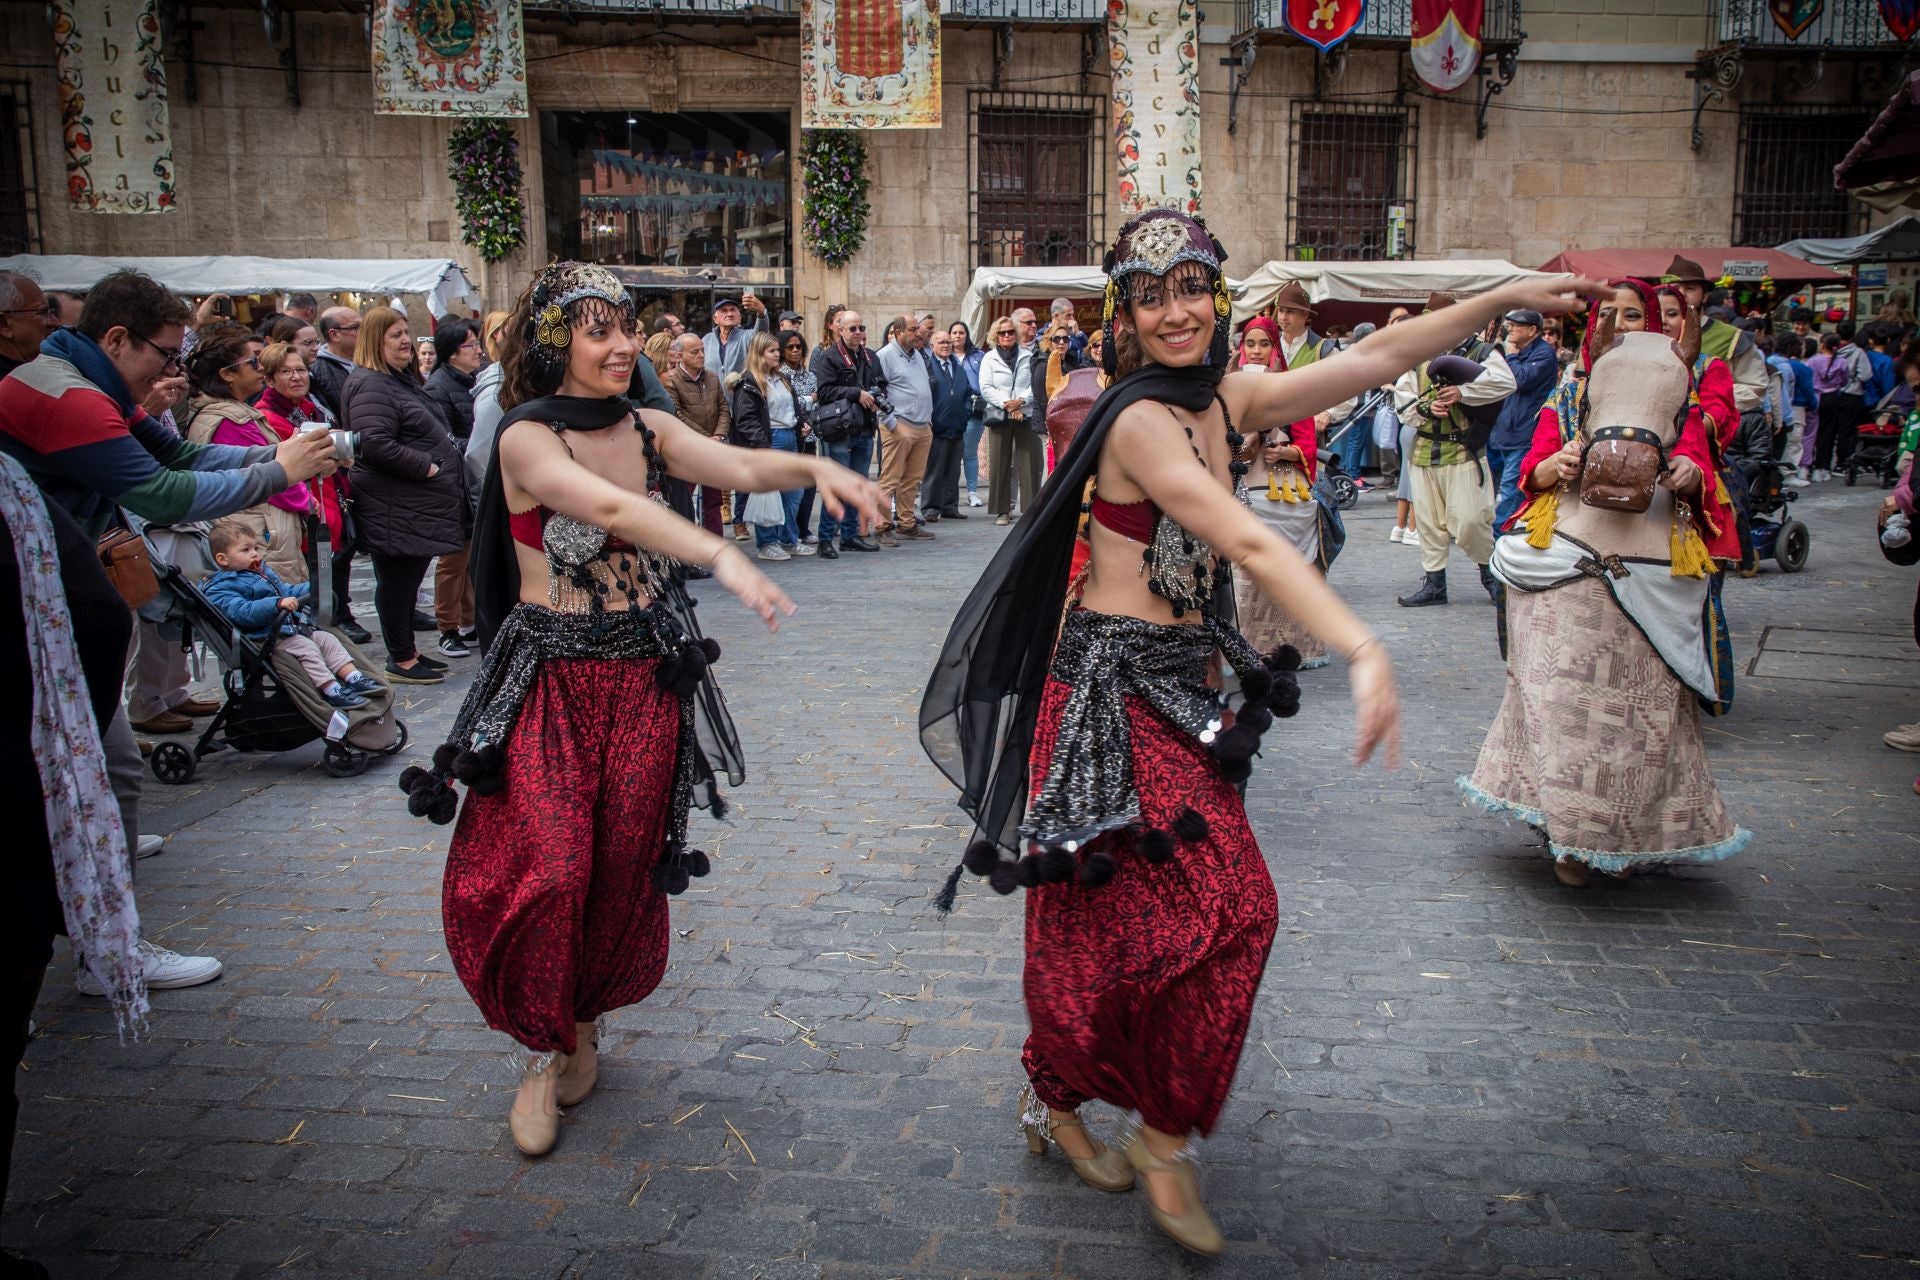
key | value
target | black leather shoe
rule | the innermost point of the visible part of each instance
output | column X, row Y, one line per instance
column 352, row 630
column 825, row 550
column 857, row 543
column 953, row 515
column 421, row 622
column 1432, row 591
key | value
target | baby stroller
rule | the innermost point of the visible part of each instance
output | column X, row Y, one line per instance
column 1775, row 533
column 1876, row 446
column 271, row 704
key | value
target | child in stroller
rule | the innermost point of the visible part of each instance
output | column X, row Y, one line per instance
column 254, row 597
column 1876, row 448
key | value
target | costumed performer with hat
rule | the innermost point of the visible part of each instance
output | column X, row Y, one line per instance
column 1099, row 726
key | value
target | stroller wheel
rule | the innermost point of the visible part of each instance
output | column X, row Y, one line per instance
column 343, row 761
column 1345, row 492
column 1852, row 475
column 399, row 739
column 172, row 763
column 1791, row 545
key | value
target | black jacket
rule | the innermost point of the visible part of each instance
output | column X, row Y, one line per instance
column 842, row 379
column 330, row 381
column 1037, row 411
column 452, row 393
column 747, row 412
column 400, row 509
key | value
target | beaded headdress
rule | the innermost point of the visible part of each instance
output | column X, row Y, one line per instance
column 1153, row 243
column 553, row 307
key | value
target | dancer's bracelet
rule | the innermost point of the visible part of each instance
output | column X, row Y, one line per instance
column 1361, row 647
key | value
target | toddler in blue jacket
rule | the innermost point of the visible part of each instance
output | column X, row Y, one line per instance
column 252, row 596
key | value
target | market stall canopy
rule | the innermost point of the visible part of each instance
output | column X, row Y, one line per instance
column 1883, row 169
column 1895, row 242
column 1740, row 263
column 1382, row 283
column 439, row 280
column 1025, row 282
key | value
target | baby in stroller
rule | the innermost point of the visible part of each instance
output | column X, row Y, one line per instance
column 253, row 596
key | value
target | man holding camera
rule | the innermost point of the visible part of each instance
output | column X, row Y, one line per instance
column 850, row 380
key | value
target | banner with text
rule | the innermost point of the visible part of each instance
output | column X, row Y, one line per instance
column 869, row 64
column 1154, row 48
column 113, row 105
column 449, row 58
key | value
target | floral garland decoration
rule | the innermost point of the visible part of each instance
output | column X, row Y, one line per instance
column 484, row 163
column 834, row 162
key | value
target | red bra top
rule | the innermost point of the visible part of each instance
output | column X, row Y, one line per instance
column 527, row 526
column 1128, row 519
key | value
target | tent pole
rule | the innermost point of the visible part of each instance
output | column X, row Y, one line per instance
column 1853, row 293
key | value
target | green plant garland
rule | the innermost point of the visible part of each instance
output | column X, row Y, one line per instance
column 484, row 163
column 834, row 162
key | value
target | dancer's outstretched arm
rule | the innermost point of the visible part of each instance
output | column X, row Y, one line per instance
column 692, row 456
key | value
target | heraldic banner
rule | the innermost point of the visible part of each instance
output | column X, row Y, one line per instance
column 1154, row 47
column 1323, row 23
column 449, row 58
column 869, row 64
column 1446, row 41
column 113, row 105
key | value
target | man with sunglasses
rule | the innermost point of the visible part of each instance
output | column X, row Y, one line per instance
column 26, row 318
column 339, row 334
column 849, row 375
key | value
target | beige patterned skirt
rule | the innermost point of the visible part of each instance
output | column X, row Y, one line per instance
column 1262, row 621
column 1597, row 742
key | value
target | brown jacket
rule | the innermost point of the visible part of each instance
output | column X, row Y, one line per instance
column 701, row 405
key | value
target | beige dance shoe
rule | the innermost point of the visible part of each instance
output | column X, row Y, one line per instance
column 1192, row 1228
column 536, row 1128
column 583, row 1068
column 1106, row 1169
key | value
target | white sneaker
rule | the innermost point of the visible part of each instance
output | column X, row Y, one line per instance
column 1822, row 475
column 804, row 549
column 166, row 970
column 774, row 551
column 973, row 499
column 1797, row 482
column 1411, row 538
column 1399, row 534
column 148, row 846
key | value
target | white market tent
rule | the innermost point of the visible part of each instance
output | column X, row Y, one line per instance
column 439, row 280
column 1385, row 282
column 1898, row 241
column 1025, row 282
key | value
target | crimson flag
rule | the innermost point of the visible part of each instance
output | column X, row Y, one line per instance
column 1901, row 16
column 1446, row 41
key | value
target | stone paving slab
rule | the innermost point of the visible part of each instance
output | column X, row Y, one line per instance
column 1457, row 1067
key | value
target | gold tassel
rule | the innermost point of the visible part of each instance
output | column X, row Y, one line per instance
column 1690, row 558
column 1273, row 486
column 1301, row 487
column 1542, row 513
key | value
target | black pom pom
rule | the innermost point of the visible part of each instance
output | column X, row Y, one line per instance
column 466, row 767
column 1257, row 684
column 410, row 775
column 1155, row 845
column 693, row 662
column 1284, row 701
column 445, row 807
column 491, row 758
column 1236, row 743
column 488, row 784
column 711, row 648
column 419, row 803
column 1191, row 825
column 443, row 757
column 1097, row 869
column 1027, row 871
column 698, row 863
column 1056, row 865
column 981, row 857
column 1236, row 771
column 1255, row 716
column 671, row 877
column 1285, row 658
column 1002, row 879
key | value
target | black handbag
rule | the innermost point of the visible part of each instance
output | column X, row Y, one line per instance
column 835, row 420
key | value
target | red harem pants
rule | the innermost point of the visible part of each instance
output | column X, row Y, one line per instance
column 1139, row 992
column 551, row 913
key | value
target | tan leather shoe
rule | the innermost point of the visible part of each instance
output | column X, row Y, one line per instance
column 165, row 722
column 1192, row 1228
column 197, row 707
column 1570, row 871
column 583, row 1068
column 1904, row 738
column 534, row 1121
column 1105, row 1169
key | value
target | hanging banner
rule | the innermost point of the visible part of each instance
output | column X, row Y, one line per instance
column 449, row 58
column 113, row 105
column 1902, row 17
column 869, row 64
column 1446, row 41
column 1323, row 23
column 758, row 190
column 1795, row 16
column 1154, row 49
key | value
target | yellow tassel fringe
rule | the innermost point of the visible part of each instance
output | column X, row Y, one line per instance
column 1542, row 514
column 1689, row 551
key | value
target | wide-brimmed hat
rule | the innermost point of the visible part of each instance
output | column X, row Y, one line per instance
column 1292, row 297
column 1684, row 271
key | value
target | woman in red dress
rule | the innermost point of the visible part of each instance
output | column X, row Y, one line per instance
column 1089, row 722
column 593, row 724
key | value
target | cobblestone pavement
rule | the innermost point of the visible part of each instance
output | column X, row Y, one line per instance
column 1457, row 1067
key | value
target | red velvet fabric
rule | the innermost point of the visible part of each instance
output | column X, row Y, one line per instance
column 551, row 913
column 1140, row 991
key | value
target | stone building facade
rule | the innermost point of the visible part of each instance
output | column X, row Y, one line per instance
column 1589, row 140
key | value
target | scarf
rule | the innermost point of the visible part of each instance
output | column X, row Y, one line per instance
column 89, row 845
column 84, row 354
column 983, row 698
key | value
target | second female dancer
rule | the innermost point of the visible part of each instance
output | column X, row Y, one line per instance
column 593, row 725
column 1088, row 726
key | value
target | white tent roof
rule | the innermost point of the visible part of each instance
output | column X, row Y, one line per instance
column 1898, row 241
column 440, row 280
column 1025, row 282
column 1383, row 282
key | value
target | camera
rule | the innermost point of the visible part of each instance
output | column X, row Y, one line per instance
column 346, row 444
column 882, row 405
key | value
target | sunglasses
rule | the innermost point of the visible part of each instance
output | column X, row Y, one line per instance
column 1058, row 340
column 251, row 362
column 856, row 328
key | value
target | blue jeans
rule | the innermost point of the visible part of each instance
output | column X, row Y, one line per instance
column 786, row 440
column 1503, row 465
column 1353, row 446
column 970, row 461
column 856, row 454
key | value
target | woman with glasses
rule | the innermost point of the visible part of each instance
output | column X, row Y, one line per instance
column 289, row 406
column 226, row 375
column 806, row 394
column 1006, row 384
column 970, row 358
column 1059, row 349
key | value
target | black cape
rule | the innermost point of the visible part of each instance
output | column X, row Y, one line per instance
column 494, row 566
column 977, row 719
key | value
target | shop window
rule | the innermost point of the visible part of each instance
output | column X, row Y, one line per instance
column 19, row 201
column 1350, row 194
column 1038, row 180
column 1785, row 188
